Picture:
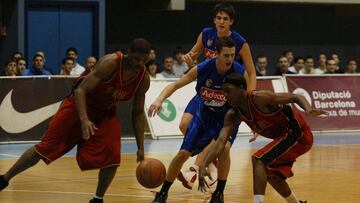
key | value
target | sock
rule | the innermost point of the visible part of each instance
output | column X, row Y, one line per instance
column 96, row 197
column 258, row 198
column 220, row 186
column 165, row 187
column 292, row 198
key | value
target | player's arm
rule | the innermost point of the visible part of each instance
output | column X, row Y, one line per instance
column 103, row 70
column 195, row 52
column 276, row 99
column 230, row 121
column 138, row 115
column 245, row 54
column 190, row 76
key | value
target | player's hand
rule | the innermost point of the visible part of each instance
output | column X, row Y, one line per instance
column 140, row 155
column 188, row 58
column 88, row 129
column 203, row 185
column 253, row 137
column 155, row 108
column 316, row 112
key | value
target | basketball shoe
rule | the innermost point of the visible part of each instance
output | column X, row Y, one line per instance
column 3, row 183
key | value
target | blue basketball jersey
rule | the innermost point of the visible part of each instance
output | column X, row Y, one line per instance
column 209, row 37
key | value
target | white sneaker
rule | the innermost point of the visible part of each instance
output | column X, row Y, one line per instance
column 188, row 177
column 213, row 173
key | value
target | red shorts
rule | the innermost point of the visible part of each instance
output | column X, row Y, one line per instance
column 280, row 154
column 64, row 132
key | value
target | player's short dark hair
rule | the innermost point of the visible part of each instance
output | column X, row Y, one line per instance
column 236, row 79
column 224, row 7
column 72, row 49
column 140, row 45
column 224, row 42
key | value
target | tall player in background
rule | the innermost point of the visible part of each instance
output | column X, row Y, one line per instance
column 88, row 118
column 224, row 15
column 267, row 114
column 209, row 107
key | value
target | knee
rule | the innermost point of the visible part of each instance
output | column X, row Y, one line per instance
column 256, row 162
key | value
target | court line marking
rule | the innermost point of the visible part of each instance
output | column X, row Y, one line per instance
column 108, row 194
column 10, row 155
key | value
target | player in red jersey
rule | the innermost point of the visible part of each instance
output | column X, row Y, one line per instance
column 88, row 118
column 267, row 114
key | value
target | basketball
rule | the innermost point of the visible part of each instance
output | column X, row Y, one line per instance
column 150, row 173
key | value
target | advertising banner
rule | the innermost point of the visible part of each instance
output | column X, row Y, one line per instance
column 337, row 94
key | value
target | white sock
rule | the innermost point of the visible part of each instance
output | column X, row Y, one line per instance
column 96, row 197
column 258, row 198
column 292, row 198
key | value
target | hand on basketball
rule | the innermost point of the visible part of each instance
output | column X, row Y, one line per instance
column 88, row 129
column 140, row 155
column 155, row 108
column 316, row 112
column 203, row 185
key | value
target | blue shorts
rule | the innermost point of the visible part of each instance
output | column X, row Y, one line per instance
column 204, row 127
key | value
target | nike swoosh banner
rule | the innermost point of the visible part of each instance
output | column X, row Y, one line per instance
column 28, row 104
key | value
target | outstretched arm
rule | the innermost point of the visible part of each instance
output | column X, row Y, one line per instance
column 155, row 107
column 138, row 115
column 103, row 70
column 230, row 122
column 245, row 54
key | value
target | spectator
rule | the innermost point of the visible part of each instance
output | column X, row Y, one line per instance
column 351, row 66
column 90, row 63
column 261, row 65
column 46, row 67
column 20, row 65
column 298, row 65
column 168, row 65
column 180, row 67
column 9, row 68
column 282, row 66
column 290, row 56
column 152, row 67
column 330, row 66
column 322, row 64
column 37, row 67
column 67, row 65
column 16, row 55
column 152, row 55
column 73, row 53
column 309, row 67
column 336, row 58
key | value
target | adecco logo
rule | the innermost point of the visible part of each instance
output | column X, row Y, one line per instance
column 304, row 93
column 168, row 111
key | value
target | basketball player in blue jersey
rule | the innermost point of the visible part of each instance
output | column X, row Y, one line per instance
column 224, row 15
column 209, row 107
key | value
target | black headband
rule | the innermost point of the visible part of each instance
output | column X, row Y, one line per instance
column 235, row 82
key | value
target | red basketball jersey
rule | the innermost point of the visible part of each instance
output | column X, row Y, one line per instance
column 270, row 125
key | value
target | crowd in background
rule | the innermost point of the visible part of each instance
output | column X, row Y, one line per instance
column 174, row 66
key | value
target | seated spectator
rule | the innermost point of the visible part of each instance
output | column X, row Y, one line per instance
column 330, row 66
column 152, row 67
column 67, row 65
column 90, row 63
column 309, row 66
column 16, row 55
column 9, row 68
column 336, row 58
column 152, row 55
column 298, row 65
column 20, row 65
column 73, row 53
column 261, row 65
column 180, row 67
column 37, row 67
column 290, row 56
column 351, row 66
column 322, row 64
column 45, row 66
column 282, row 66
column 168, row 65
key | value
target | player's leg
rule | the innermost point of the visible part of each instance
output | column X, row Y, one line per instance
column 106, row 175
column 281, row 186
column 185, row 120
column 28, row 159
column 259, row 179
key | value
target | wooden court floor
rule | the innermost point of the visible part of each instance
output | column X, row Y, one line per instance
column 326, row 174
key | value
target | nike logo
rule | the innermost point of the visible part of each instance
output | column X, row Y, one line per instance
column 13, row 121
